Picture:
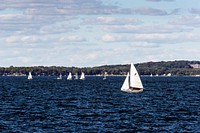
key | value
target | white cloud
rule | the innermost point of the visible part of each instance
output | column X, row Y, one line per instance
column 73, row 38
column 192, row 21
column 107, row 20
column 55, row 29
column 25, row 39
column 150, row 11
column 195, row 11
column 111, row 38
column 158, row 28
column 144, row 45
column 153, row 38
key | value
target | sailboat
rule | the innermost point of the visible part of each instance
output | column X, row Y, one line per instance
column 60, row 76
column 30, row 76
column 132, row 82
column 104, row 77
column 76, row 76
column 69, row 77
column 82, row 76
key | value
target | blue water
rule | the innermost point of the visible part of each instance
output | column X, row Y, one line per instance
column 44, row 104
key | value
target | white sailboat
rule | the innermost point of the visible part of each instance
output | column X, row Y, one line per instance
column 76, row 76
column 69, row 77
column 104, row 77
column 132, row 82
column 30, row 76
column 82, row 76
column 60, row 76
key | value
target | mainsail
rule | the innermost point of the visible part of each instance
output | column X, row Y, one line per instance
column 135, row 81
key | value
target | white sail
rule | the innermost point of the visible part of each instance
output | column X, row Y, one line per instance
column 125, row 85
column 30, row 76
column 135, row 81
column 169, row 74
column 82, row 76
column 69, row 76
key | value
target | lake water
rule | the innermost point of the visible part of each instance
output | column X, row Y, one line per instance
column 44, row 104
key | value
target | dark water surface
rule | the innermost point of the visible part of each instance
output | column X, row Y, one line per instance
column 44, row 104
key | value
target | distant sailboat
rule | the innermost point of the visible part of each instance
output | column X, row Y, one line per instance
column 76, row 76
column 104, row 77
column 82, row 76
column 169, row 74
column 69, row 77
column 132, row 82
column 30, row 76
column 60, row 76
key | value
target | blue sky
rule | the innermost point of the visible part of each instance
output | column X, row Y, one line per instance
column 86, row 33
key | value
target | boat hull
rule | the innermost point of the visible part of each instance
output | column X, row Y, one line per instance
column 134, row 90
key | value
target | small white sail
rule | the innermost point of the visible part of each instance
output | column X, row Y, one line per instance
column 133, row 82
column 125, row 85
column 82, row 76
column 30, row 76
column 69, row 76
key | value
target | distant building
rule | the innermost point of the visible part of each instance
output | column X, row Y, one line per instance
column 195, row 65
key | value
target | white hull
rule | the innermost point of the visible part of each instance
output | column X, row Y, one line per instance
column 133, row 90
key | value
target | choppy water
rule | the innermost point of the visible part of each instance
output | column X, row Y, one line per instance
column 44, row 104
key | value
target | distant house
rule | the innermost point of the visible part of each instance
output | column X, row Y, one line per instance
column 195, row 65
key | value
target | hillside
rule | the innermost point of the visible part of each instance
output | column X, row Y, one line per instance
column 178, row 68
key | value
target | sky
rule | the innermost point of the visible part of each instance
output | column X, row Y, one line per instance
column 87, row 33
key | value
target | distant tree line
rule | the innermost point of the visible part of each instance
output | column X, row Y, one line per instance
column 178, row 68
